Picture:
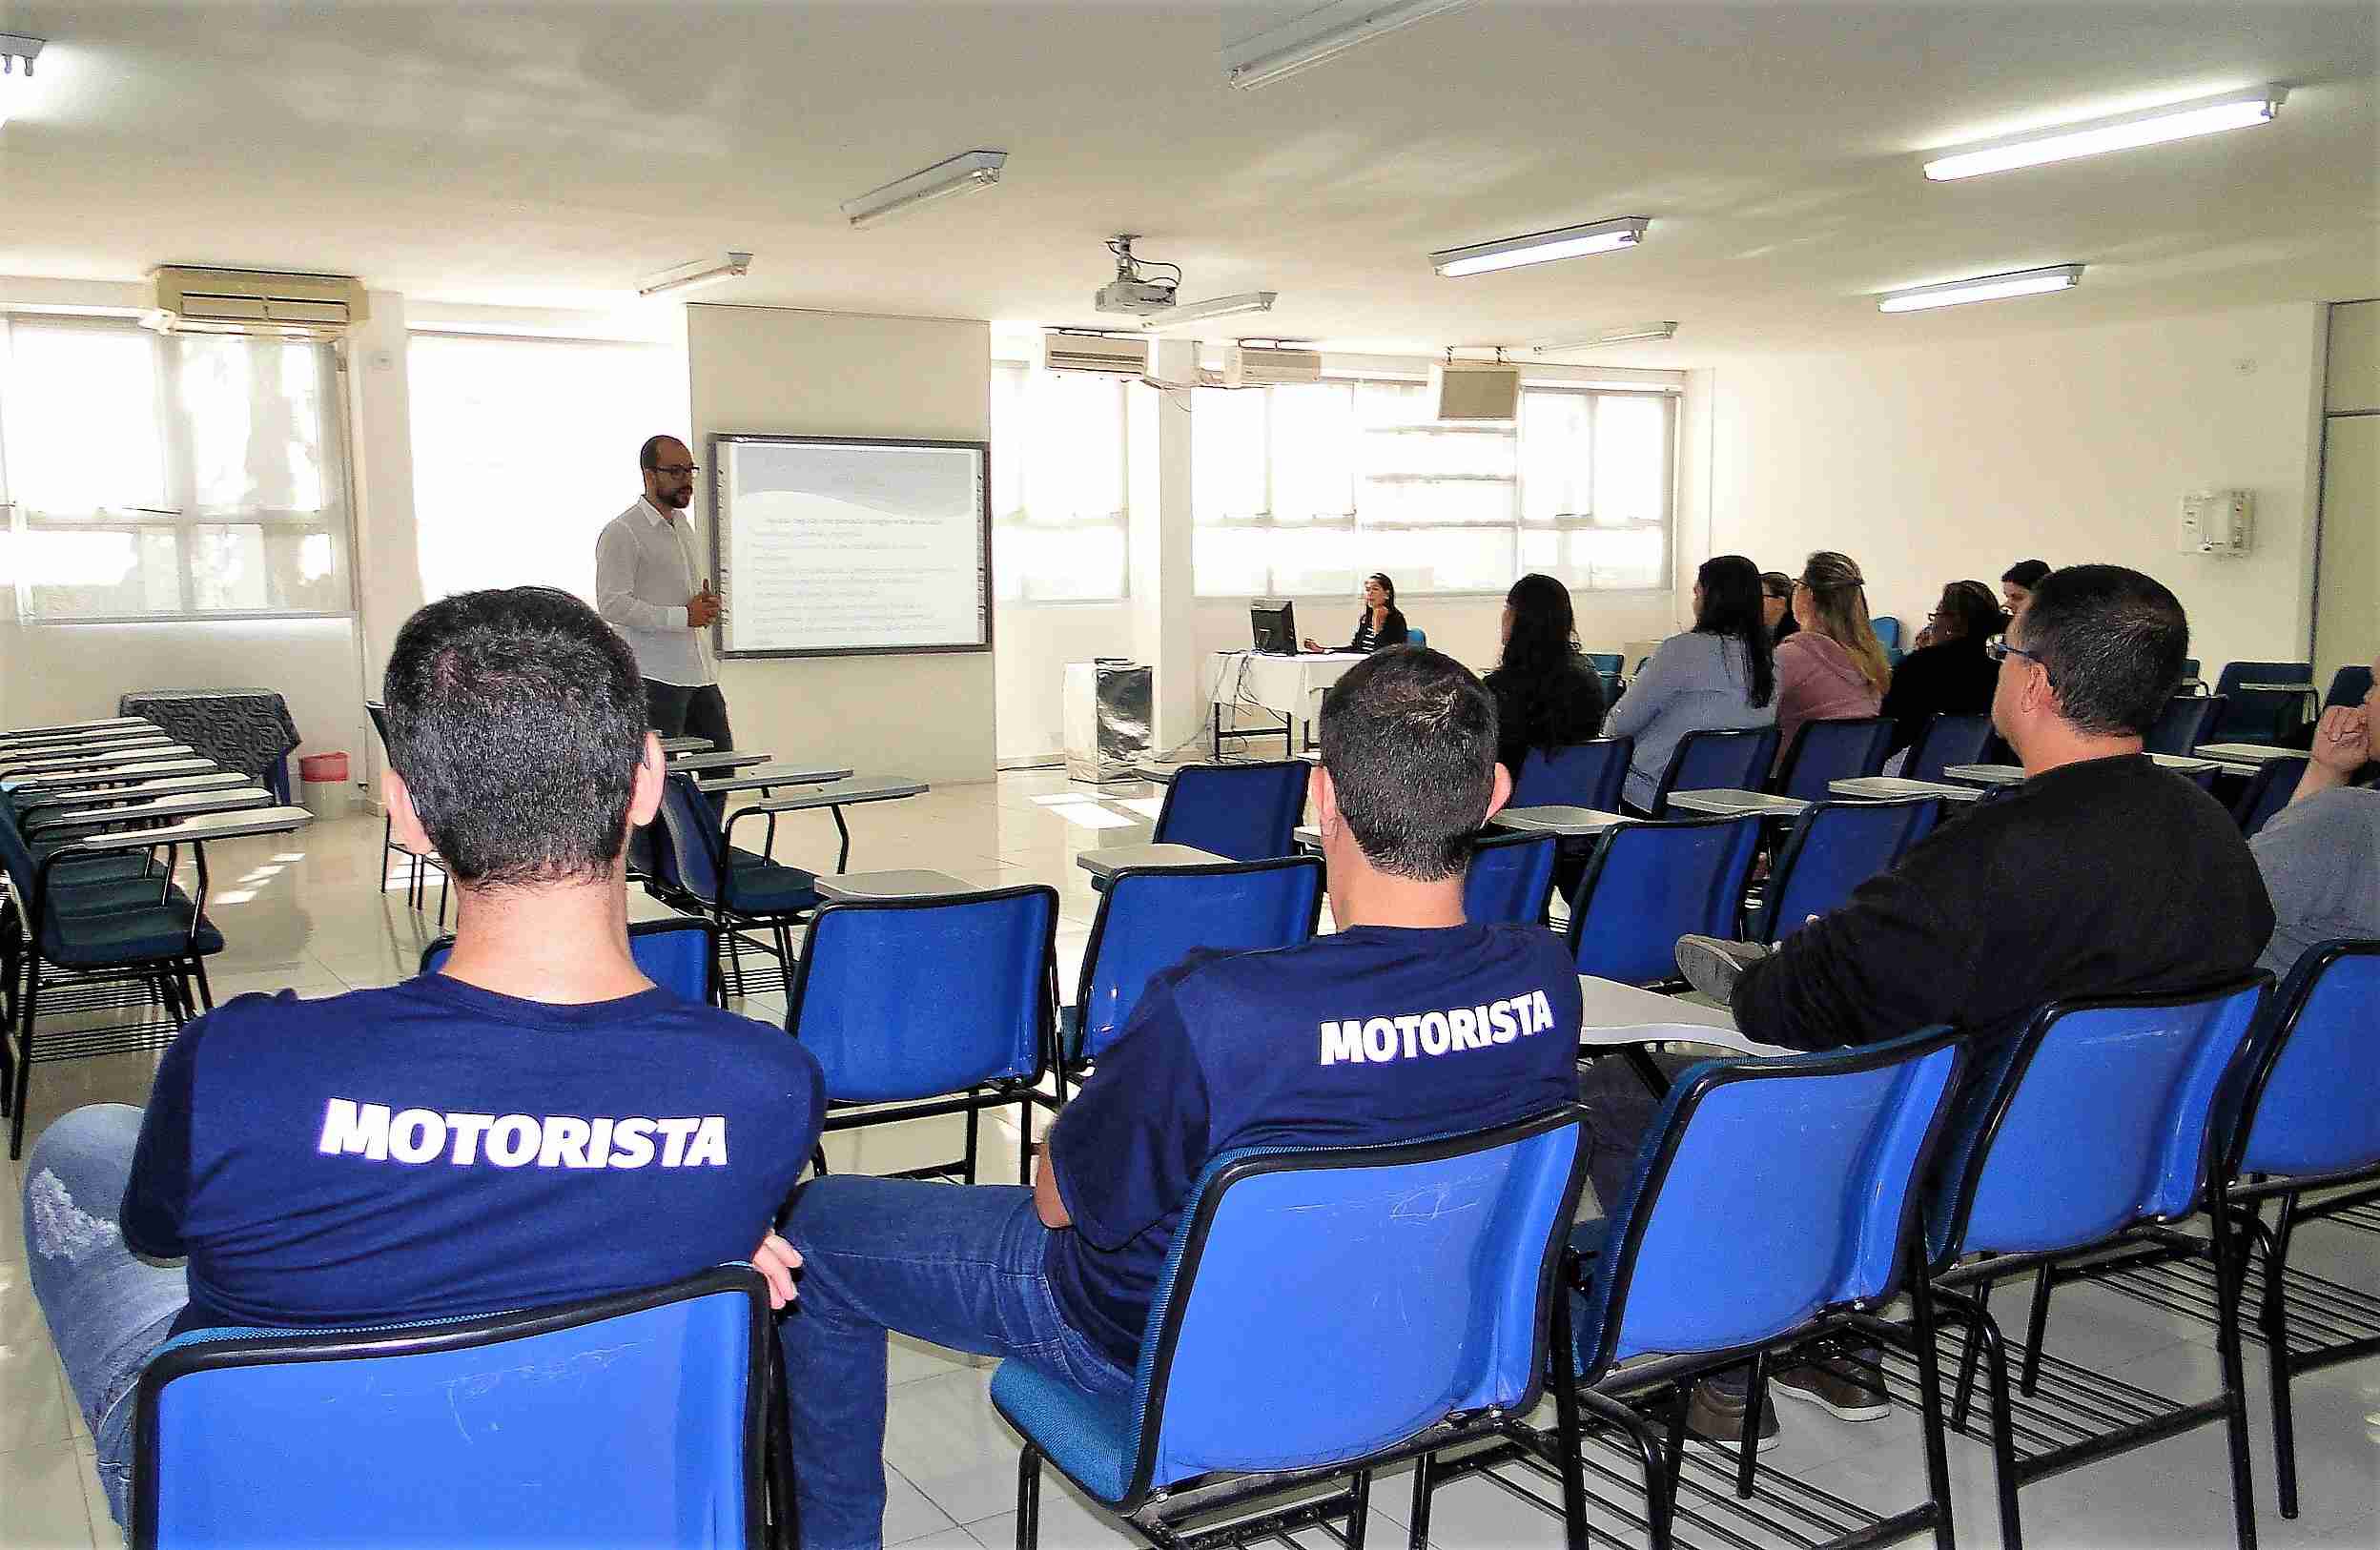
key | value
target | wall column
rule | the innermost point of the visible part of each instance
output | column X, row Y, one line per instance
column 1162, row 582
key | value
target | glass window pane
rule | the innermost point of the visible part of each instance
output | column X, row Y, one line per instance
column 255, row 413
column 1313, row 438
column 1060, row 528
column 107, row 573
column 1554, row 455
column 79, row 411
column 1631, row 460
column 1620, row 558
column 1227, row 478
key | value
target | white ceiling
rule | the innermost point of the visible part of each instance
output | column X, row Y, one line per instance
column 553, row 153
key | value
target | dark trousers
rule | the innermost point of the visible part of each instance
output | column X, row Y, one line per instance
column 678, row 711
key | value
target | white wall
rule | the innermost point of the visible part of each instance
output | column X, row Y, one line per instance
column 772, row 370
column 1033, row 642
column 1935, row 462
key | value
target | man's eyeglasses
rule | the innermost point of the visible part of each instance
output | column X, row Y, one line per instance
column 1999, row 649
column 677, row 470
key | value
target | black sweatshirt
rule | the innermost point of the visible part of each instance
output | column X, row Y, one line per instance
column 2109, row 877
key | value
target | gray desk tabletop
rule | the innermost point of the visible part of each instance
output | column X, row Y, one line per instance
column 2248, row 755
column 1986, row 774
column 2282, row 688
column 689, row 764
column 70, row 730
column 186, row 804
column 838, row 793
column 1114, row 858
column 1557, row 818
column 34, row 761
column 686, row 745
column 1892, row 788
column 2181, row 766
column 76, row 780
column 761, row 777
column 907, row 883
column 1728, row 799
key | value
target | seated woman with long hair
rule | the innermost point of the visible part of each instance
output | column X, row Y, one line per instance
column 1378, row 624
column 1950, row 675
column 1719, row 676
column 1834, row 667
column 1547, row 694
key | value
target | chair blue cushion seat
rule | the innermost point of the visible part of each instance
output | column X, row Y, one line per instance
column 125, row 936
column 1090, row 1438
column 766, row 888
column 1588, row 1241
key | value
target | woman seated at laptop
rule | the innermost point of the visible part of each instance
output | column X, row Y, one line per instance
column 1379, row 625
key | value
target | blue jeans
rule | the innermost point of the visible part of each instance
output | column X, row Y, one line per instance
column 109, row 1309
column 955, row 1264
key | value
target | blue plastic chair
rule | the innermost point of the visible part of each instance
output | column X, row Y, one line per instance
column 1725, row 1246
column 1832, row 848
column 1247, row 813
column 1945, row 741
column 2267, row 791
column 1603, row 662
column 1277, row 1281
column 1647, row 884
column 1737, row 760
column 679, row 953
column 642, row 1419
column 2260, row 715
column 1577, row 775
column 2348, row 687
column 1417, row 637
column 2306, row 1119
column 2188, row 721
column 1510, row 879
column 697, row 870
column 1887, row 633
column 2100, row 1118
column 1150, row 918
column 931, row 1004
column 1826, row 751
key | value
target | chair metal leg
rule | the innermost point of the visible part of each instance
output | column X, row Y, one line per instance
column 2230, row 1282
column 1358, row 1508
column 1968, row 1354
column 2036, row 1328
column 206, row 992
column 1024, row 1138
column 1424, row 1488
column 2274, row 1320
column 1570, row 1435
column 974, row 1118
column 25, row 1055
column 1028, row 1498
column 1748, row 1445
column 1930, row 1399
column 2004, row 1482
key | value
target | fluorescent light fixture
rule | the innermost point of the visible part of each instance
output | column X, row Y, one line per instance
column 1199, row 312
column 969, row 170
column 15, row 47
column 1252, row 64
column 701, row 272
column 2152, row 126
column 1631, row 333
column 2022, row 282
column 1540, row 246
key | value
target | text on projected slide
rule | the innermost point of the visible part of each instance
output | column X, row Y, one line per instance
column 837, row 546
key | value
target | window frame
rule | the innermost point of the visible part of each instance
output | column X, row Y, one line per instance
column 177, row 456
column 1024, row 597
column 1673, row 399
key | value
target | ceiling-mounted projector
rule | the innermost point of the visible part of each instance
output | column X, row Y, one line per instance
column 1133, row 290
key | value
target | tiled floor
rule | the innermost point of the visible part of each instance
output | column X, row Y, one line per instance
column 301, row 912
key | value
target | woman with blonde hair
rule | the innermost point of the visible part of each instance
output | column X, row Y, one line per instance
column 1834, row 667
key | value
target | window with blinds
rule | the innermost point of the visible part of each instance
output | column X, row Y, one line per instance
column 1059, row 528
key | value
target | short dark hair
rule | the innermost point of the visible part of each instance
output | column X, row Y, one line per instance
column 517, row 718
column 1776, row 583
column 649, row 456
column 1972, row 611
column 1409, row 739
column 2112, row 641
column 2025, row 573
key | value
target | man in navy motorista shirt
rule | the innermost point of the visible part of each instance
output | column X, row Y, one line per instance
column 1407, row 1023
column 536, row 1123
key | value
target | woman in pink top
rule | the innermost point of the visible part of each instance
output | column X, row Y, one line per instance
column 1834, row 667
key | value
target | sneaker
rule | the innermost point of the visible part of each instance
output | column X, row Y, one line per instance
column 1845, row 1388
column 1713, row 965
column 1715, row 1420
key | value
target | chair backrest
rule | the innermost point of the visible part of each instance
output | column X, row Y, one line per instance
column 677, row 952
column 1416, row 637
column 1887, row 632
column 2311, row 1103
column 379, row 712
column 1732, row 759
column 636, row 1418
column 1826, row 751
column 2188, row 721
column 919, row 998
column 1510, row 879
column 2097, row 1117
column 1647, row 884
column 1284, row 1263
column 1833, row 848
column 2269, row 790
column 2189, row 671
column 1945, row 741
column 1603, row 662
column 2348, row 687
column 1577, row 775
column 1247, row 813
column 1724, row 1237
column 688, row 853
column 2259, row 714
column 1151, row 917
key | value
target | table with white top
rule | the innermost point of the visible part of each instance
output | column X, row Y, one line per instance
column 835, row 796
column 1621, row 1016
column 1105, row 863
column 99, row 758
column 1892, row 788
column 2247, row 756
column 765, row 776
column 1556, row 819
column 84, row 780
column 905, row 883
column 1290, row 688
column 687, row 744
column 1727, row 800
column 714, row 759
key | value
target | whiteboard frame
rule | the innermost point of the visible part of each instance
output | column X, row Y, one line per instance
column 983, row 529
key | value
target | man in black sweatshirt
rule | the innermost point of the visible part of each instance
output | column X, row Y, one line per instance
column 2100, row 875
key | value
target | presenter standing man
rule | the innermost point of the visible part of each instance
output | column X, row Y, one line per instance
column 646, row 587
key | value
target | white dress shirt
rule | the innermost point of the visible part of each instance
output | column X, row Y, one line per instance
column 644, row 575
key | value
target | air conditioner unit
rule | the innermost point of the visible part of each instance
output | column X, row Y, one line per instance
column 1481, row 391
column 255, row 302
column 1064, row 352
column 1245, row 367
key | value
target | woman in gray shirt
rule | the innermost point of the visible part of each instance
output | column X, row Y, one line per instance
column 2320, row 854
column 1717, row 677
